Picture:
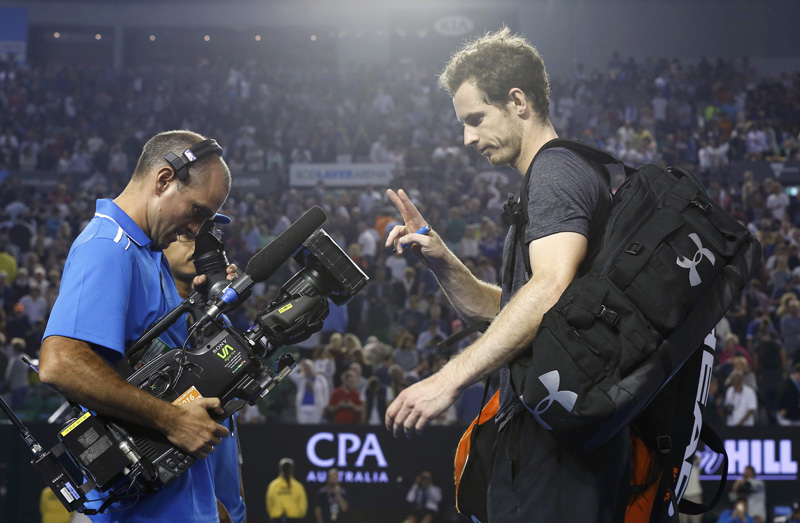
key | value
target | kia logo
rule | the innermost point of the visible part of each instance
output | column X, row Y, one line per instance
column 454, row 25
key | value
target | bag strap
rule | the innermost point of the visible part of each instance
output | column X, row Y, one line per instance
column 516, row 213
column 446, row 345
column 713, row 442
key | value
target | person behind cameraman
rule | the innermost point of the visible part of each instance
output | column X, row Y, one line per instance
column 500, row 94
column 227, row 457
column 116, row 282
column 286, row 497
column 424, row 498
column 754, row 491
column 331, row 501
column 737, row 514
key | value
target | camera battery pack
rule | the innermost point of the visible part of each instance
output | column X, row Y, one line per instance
column 96, row 452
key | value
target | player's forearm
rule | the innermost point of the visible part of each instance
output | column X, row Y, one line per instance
column 73, row 369
column 473, row 299
column 510, row 334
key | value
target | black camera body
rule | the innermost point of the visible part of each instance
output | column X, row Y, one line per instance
column 221, row 365
column 225, row 364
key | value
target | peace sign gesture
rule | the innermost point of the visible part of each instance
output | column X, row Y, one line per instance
column 429, row 248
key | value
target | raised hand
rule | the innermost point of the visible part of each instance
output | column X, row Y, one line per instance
column 429, row 248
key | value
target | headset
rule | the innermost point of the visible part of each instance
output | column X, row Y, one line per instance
column 180, row 164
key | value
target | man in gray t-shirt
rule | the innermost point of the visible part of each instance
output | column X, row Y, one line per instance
column 500, row 94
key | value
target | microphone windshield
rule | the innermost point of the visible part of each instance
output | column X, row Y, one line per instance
column 269, row 259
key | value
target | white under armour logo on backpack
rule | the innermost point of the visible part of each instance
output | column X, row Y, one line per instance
column 566, row 398
column 686, row 263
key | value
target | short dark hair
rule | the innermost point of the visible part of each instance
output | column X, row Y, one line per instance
column 177, row 142
column 496, row 63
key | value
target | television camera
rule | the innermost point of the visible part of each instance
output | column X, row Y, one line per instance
column 127, row 460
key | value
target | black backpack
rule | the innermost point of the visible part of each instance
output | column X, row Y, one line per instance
column 670, row 264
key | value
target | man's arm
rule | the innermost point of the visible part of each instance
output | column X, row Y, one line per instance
column 473, row 299
column 72, row 368
column 363, row 416
column 435, row 494
column 343, row 505
column 554, row 263
column 752, row 403
column 359, row 407
column 224, row 515
column 302, row 501
column 271, row 500
column 412, row 492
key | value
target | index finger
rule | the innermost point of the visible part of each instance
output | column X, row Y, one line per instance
column 213, row 403
column 222, row 431
column 391, row 412
column 408, row 210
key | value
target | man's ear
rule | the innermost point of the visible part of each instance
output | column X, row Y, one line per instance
column 517, row 101
column 164, row 177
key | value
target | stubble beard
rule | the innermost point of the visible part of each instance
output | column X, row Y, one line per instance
column 509, row 148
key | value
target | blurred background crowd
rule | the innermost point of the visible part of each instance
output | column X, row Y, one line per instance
column 89, row 124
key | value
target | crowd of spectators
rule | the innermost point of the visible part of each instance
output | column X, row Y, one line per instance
column 88, row 125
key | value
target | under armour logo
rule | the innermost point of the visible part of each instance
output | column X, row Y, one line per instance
column 686, row 263
column 565, row 398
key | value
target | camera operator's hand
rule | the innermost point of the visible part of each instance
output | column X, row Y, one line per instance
column 232, row 270
column 192, row 428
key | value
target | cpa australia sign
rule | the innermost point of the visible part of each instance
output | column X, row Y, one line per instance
column 326, row 449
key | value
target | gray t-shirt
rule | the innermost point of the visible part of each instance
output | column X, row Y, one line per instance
column 564, row 195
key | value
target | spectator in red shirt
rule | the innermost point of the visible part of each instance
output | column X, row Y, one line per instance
column 346, row 405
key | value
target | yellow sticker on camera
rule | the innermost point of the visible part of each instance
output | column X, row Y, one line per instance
column 75, row 423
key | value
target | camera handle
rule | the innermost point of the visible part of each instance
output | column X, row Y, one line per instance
column 135, row 351
column 229, row 409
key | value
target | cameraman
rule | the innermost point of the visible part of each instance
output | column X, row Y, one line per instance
column 424, row 498
column 116, row 282
column 227, row 457
column 753, row 490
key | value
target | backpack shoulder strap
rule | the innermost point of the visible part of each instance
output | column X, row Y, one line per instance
column 584, row 150
column 595, row 156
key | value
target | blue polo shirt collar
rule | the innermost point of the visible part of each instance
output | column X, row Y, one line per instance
column 106, row 208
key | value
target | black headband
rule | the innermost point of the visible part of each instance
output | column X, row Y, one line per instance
column 180, row 164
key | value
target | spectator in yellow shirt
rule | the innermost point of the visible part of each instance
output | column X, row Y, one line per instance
column 51, row 509
column 286, row 497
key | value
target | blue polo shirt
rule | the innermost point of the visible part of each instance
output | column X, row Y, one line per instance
column 225, row 462
column 113, row 287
